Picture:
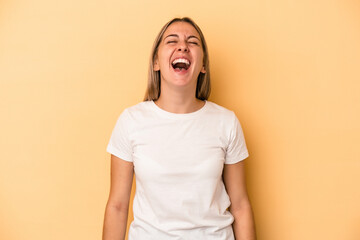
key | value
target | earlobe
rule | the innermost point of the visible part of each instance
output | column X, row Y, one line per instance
column 156, row 65
column 203, row 70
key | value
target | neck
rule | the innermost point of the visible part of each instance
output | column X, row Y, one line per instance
column 176, row 101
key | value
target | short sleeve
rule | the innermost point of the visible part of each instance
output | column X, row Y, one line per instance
column 119, row 144
column 236, row 150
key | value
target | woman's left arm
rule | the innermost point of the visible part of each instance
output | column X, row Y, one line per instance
column 240, row 208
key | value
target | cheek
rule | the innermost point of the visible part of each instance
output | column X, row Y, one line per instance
column 200, row 59
column 200, row 54
column 164, row 56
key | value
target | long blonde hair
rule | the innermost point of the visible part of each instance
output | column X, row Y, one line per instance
column 203, row 81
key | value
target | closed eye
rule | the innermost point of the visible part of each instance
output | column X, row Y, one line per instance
column 195, row 43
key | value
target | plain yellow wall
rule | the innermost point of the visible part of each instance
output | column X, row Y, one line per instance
column 289, row 69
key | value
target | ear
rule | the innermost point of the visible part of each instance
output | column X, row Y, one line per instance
column 156, row 65
column 203, row 69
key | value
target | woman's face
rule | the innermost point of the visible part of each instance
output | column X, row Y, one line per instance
column 180, row 56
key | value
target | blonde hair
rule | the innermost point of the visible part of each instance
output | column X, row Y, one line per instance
column 203, row 81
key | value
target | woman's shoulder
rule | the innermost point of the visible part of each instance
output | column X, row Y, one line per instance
column 141, row 106
column 137, row 109
column 220, row 110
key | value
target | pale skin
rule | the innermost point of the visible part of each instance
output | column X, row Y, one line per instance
column 177, row 96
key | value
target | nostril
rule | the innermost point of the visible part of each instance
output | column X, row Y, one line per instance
column 183, row 48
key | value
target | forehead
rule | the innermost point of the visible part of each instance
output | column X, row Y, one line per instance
column 181, row 28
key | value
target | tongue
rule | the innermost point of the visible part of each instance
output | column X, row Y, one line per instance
column 180, row 66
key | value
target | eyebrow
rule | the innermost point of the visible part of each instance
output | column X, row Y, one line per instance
column 175, row 35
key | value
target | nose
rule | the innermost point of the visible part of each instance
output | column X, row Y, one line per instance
column 183, row 47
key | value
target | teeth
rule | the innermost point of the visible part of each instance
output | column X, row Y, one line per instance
column 181, row 60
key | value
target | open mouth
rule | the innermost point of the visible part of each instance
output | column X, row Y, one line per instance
column 181, row 64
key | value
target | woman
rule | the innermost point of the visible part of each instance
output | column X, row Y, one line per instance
column 186, row 152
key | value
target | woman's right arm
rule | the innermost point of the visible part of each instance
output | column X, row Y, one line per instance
column 116, row 212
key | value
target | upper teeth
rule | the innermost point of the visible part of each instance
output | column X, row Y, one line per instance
column 181, row 60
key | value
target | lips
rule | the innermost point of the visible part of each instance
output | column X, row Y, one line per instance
column 181, row 64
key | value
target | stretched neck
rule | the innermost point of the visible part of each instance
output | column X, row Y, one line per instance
column 177, row 100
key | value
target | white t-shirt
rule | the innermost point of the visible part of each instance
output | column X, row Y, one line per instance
column 178, row 161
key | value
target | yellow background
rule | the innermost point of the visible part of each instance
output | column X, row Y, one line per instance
column 289, row 69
